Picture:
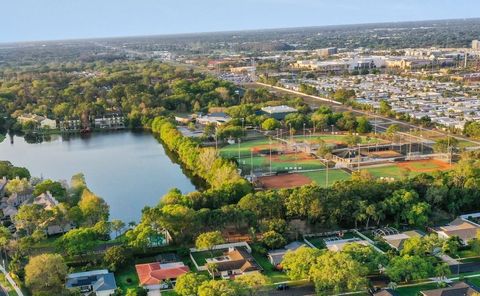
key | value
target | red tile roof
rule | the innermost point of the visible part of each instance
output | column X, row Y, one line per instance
column 153, row 274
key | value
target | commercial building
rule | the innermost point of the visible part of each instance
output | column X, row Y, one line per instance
column 476, row 44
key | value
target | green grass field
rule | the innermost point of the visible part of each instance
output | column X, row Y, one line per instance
column 230, row 151
column 280, row 163
column 334, row 175
column 390, row 171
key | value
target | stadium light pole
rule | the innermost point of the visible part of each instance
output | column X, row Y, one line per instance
column 238, row 141
column 304, row 130
column 326, row 176
column 270, row 156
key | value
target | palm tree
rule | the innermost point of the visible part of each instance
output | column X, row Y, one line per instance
column 212, row 268
column 392, row 286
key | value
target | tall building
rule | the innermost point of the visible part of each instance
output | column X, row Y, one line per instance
column 476, row 44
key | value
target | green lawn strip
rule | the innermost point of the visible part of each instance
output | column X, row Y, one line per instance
column 169, row 293
column 245, row 148
column 334, row 175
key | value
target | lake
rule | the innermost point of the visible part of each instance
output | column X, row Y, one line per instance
column 130, row 170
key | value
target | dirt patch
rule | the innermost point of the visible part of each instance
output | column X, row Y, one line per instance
column 384, row 154
column 425, row 166
column 292, row 157
column 266, row 147
column 284, row 181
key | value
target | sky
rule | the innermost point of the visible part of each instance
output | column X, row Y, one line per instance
column 32, row 20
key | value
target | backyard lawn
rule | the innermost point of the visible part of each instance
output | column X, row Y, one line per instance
column 415, row 290
column 269, row 270
column 127, row 278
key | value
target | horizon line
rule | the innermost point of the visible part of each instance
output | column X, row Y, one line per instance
column 183, row 34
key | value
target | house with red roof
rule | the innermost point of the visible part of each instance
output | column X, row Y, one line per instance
column 157, row 276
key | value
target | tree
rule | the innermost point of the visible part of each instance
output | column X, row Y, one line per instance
column 408, row 268
column 209, row 240
column 363, row 125
column 17, row 186
column 94, row 208
column 252, row 282
column 117, row 226
column 446, row 145
column 46, row 273
column 365, row 255
column 30, row 217
column 385, row 108
column 212, row 268
column 115, row 257
column 271, row 124
column 78, row 241
column 273, row 240
column 219, row 288
column 392, row 131
column 297, row 264
column 55, row 188
column 338, row 271
column 188, row 284
column 451, row 245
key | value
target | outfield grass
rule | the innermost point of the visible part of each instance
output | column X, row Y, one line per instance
column 230, row 151
column 391, row 171
column 334, row 175
column 284, row 163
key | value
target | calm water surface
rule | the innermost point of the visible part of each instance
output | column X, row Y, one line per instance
column 129, row 170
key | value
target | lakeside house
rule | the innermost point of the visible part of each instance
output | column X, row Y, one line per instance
column 157, row 276
column 43, row 122
column 95, row 282
column 46, row 200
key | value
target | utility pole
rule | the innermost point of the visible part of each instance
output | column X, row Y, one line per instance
column 326, row 176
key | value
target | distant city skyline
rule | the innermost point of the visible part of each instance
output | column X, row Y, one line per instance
column 38, row 20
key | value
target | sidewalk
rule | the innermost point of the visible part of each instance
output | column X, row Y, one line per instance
column 11, row 281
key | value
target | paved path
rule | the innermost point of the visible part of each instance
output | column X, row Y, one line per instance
column 11, row 281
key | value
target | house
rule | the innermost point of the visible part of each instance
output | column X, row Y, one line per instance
column 44, row 122
column 98, row 282
column 3, row 183
column 278, row 112
column 459, row 227
column 458, row 289
column 156, row 276
column 17, row 199
column 276, row 256
column 396, row 240
column 46, row 200
column 234, row 262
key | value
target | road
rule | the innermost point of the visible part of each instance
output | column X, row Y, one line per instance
column 339, row 107
column 294, row 291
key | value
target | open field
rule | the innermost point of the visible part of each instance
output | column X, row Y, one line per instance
column 408, row 168
column 337, row 139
